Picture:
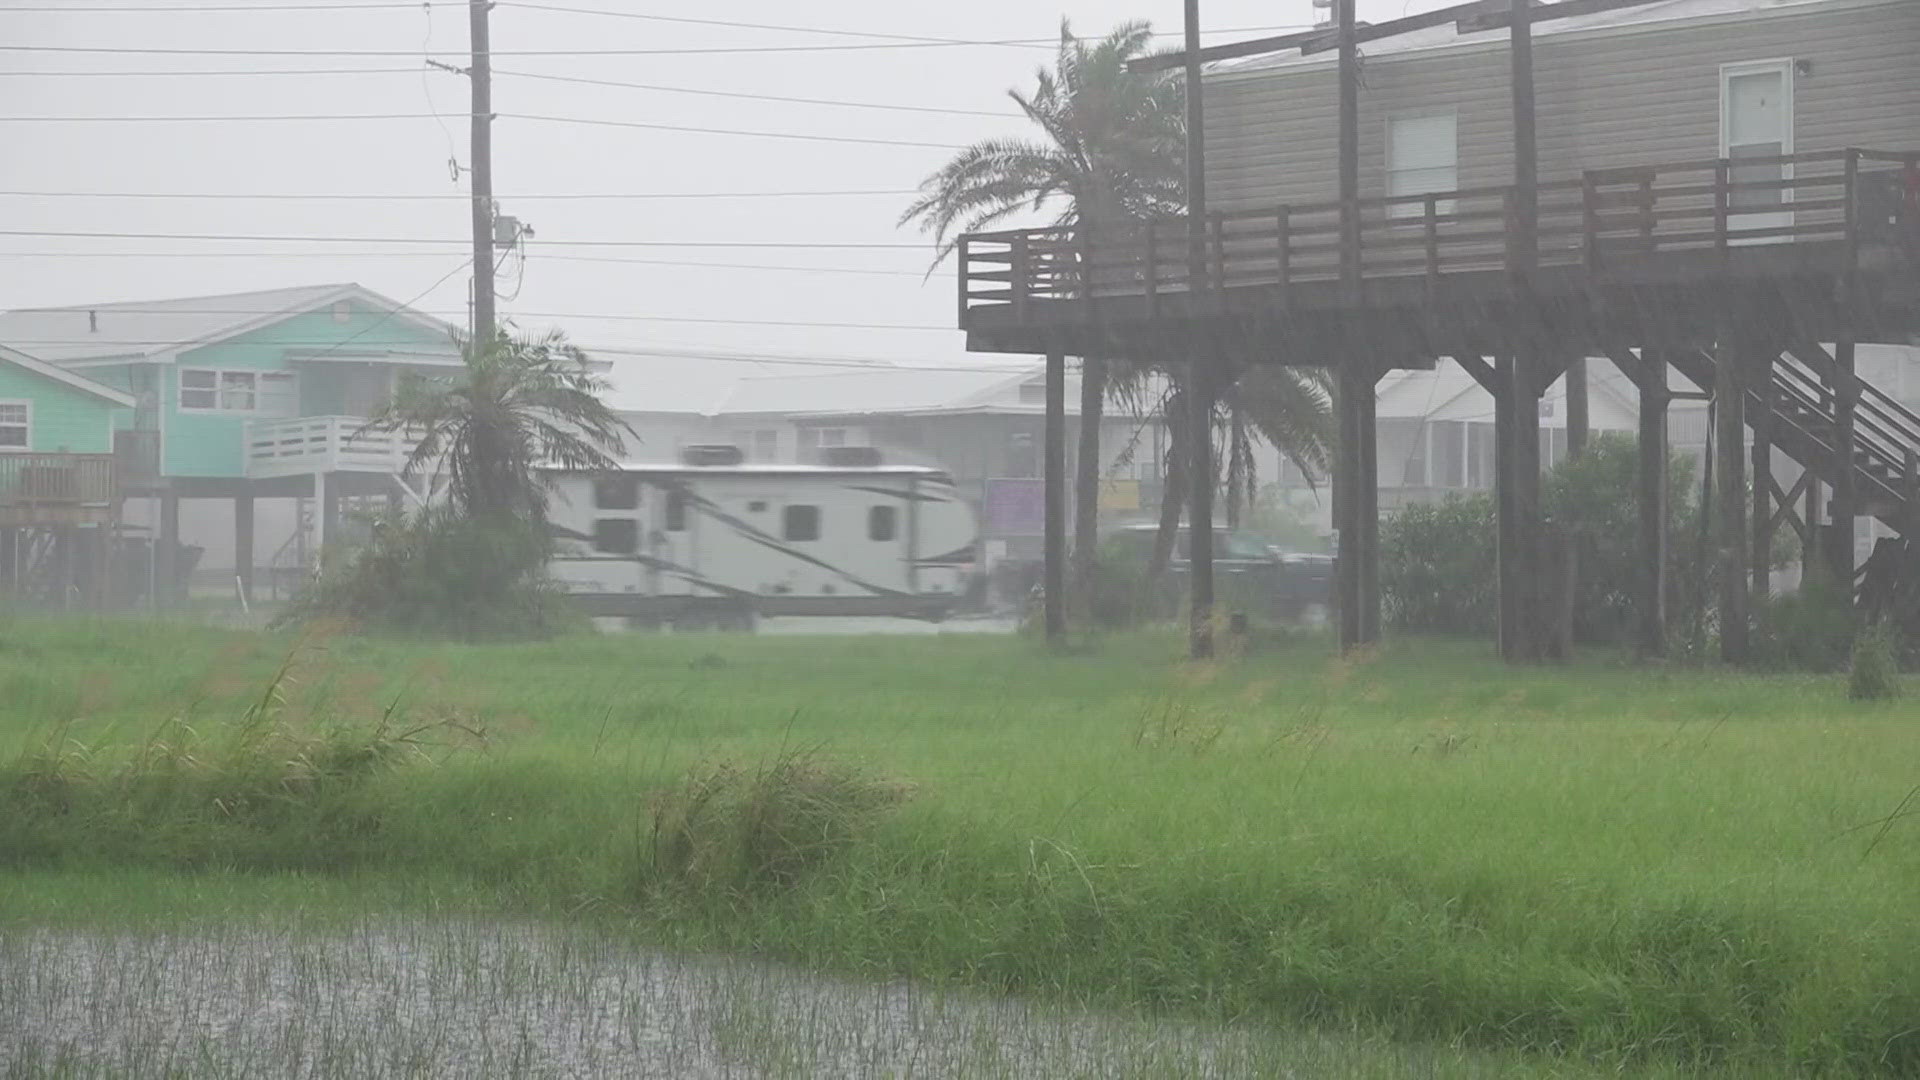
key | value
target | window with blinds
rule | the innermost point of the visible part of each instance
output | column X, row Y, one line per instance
column 1423, row 156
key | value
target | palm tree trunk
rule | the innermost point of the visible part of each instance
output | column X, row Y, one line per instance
column 1087, row 470
column 1173, row 493
column 1236, row 469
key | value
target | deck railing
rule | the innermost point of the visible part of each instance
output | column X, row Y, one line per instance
column 317, row 444
column 1601, row 221
column 56, row 480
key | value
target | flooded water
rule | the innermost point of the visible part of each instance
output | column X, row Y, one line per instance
column 466, row 999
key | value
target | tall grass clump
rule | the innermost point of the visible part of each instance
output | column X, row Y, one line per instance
column 274, row 787
column 727, row 830
column 1874, row 669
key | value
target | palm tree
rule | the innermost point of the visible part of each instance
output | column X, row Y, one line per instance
column 1285, row 407
column 1112, row 149
column 518, row 403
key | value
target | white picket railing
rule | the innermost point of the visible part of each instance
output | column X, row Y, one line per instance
column 315, row 444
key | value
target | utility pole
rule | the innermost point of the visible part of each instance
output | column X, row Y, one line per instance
column 480, row 75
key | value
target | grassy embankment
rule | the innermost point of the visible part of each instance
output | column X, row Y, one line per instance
column 1641, row 867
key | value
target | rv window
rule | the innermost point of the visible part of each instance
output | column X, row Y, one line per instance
column 676, row 511
column 617, row 492
column 883, row 523
column 616, row 536
column 801, row 523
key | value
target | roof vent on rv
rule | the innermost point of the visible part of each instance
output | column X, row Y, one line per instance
column 715, row 454
column 850, row 457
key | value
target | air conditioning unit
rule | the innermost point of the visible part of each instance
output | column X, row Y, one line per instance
column 717, row 455
column 850, row 457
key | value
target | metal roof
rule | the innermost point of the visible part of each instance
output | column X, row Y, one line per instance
column 157, row 328
column 894, row 390
column 64, row 377
column 1446, row 36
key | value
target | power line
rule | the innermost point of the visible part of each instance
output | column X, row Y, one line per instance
column 618, row 316
column 589, row 121
column 244, row 238
column 1001, row 114
column 548, row 255
column 727, row 131
column 123, row 50
column 686, row 20
column 200, row 9
column 249, row 72
column 225, row 196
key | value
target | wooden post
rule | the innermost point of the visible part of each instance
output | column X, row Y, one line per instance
column 1055, row 571
column 1507, row 549
column 1578, row 416
column 1348, row 504
column 1366, row 498
column 167, row 564
column 1349, row 154
column 1729, row 399
column 1018, row 275
column 1200, row 472
column 1526, row 162
column 1846, row 484
column 1531, row 640
column 243, row 544
column 1760, row 553
column 1200, row 420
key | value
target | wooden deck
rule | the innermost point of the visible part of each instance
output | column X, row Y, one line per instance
column 1629, row 251
column 56, row 489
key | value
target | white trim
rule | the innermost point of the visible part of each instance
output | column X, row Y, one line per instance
column 27, row 404
column 1500, row 41
column 218, row 389
column 64, row 377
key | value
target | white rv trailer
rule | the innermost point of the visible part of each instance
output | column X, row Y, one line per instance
column 720, row 544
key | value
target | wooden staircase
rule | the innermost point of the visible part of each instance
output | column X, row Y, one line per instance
column 1799, row 402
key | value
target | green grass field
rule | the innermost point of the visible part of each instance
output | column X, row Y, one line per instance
column 1606, row 865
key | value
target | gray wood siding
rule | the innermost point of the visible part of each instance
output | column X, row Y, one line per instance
column 1604, row 99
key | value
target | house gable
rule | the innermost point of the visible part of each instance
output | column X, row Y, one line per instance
column 64, row 413
column 302, row 348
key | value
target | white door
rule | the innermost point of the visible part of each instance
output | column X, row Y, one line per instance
column 1756, row 122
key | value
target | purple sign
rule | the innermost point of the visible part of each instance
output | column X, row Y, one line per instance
column 1015, row 506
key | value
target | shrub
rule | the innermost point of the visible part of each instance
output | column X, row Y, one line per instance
column 1875, row 669
column 727, row 830
column 1812, row 629
column 1438, row 563
column 443, row 573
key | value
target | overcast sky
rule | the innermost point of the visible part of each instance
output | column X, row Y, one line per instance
column 531, row 157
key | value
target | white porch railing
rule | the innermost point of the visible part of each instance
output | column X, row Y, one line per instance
column 320, row 444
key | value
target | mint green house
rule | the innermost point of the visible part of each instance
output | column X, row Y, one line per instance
column 46, row 409
column 59, row 499
column 220, row 401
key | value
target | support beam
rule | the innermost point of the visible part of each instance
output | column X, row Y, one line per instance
column 1525, row 575
column 243, row 545
column 1349, row 152
column 1651, row 497
column 1200, row 504
column 1506, row 546
column 1349, row 503
column 1578, row 414
column 1055, row 465
column 1729, row 400
column 1846, row 487
column 166, row 561
column 1367, row 497
column 1760, row 549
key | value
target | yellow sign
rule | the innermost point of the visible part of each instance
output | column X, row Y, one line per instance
column 1120, row 495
